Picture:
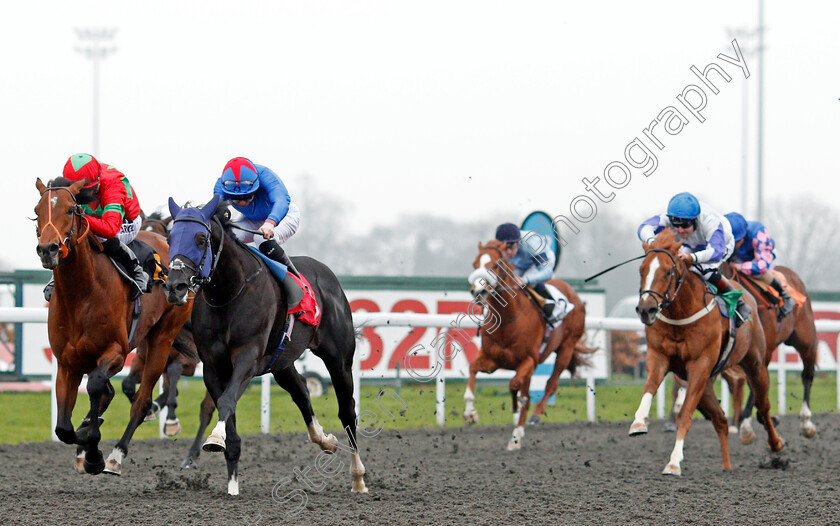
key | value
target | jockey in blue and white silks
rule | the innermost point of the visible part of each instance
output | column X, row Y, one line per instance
column 532, row 258
column 707, row 240
column 754, row 255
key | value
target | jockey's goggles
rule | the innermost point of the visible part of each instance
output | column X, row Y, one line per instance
column 681, row 222
column 235, row 186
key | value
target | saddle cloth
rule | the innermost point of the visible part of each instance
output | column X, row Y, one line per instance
column 562, row 305
column 307, row 310
column 768, row 295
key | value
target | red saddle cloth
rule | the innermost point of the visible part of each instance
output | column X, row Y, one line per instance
column 307, row 310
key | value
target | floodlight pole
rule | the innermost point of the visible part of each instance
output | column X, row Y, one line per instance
column 96, row 51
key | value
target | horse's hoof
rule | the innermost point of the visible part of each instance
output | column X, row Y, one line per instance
column 808, row 430
column 514, row 445
column 534, row 420
column 189, row 463
column 669, row 427
column 213, row 444
column 671, row 469
column 112, row 467
column 172, row 427
column 471, row 419
column 330, row 443
column 778, row 446
column 362, row 490
column 747, row 438
column 153, row 412
column 96, row 466
column 638, row 428
column 733, row 430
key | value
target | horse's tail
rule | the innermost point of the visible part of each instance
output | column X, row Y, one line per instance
column 580, row 356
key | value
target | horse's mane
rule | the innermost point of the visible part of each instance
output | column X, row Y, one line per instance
column 155, row 215
column 666, row 239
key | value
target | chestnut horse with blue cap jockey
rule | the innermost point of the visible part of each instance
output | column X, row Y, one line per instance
column 687, row 334
column 91, row 320
column 238, row 322
column 512, row 336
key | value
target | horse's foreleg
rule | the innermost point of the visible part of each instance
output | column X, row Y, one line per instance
column 698, row 375
column 735, row 380
column 158, row 352
column 224, row 437
column 66, row 390
column 233, row 448
column 759, row 381
column 290, row 380
column 173, row 373
column 565, row 354
column 807, row 349
column 657, row 367
column 481, row 363
column 205, row 415
column 709, row 404
column 101, row 392
column 520, row 385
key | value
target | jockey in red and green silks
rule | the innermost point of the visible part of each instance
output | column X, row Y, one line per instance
column 754, row 255
column 112, row 211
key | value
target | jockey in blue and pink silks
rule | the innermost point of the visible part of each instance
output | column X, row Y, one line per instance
column 707, row 241
column 266, row 206
column 754, row 255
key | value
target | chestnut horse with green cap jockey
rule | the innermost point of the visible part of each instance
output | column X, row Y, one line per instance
column 513, row 333
column 91, row 320
column 113, row 212
column 687, row 334
column 790, row 321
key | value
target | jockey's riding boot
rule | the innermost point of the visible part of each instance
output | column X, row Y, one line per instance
column 742, row 310
column 291, row 289
column 787, row 301
column 48, row 290
column 548, row 306
column 272, row 249
column 125, row 256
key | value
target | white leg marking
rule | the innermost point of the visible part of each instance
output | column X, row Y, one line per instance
column 680, row 399
column 516, row 438
column 673, row 467
column 219, row 430
column 316, row 434
column 654, row 265
column 640, row 421
column 747, row 435
column 233, row 486
column 357, row 469
column 806, row 427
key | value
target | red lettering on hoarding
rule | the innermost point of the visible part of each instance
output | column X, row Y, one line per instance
column 414, row 335
column 369, row 333
column 830, row 338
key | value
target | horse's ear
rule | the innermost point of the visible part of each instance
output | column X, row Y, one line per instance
column 646, row 246
column 77, row 187
column 39, row 185
column 210, row 208
column 675, row 247
column 480, row 246
column 174, row 209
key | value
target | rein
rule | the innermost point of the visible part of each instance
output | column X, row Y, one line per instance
column 77, row 211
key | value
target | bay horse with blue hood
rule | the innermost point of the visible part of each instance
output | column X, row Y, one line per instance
column 239, row 326
column 688, row 335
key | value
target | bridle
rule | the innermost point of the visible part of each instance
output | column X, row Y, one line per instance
column 504, row 270
column 676, row 280
column 196, row 281
column 77, row 211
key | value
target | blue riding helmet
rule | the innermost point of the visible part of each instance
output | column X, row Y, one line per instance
column 508, row 233
column 240, row 177
column 684, row 206
column 739, row 225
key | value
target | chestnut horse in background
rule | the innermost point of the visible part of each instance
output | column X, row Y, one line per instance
column 90, row 316
column 512, row 335
column 686, row 334
column 797, row 330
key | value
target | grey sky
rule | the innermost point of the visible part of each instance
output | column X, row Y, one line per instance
column 455, row 108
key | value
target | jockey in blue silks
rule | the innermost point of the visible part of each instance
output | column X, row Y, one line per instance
column 532, row 258
column 707, row 241
column 266, row 206
column 754, row 255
